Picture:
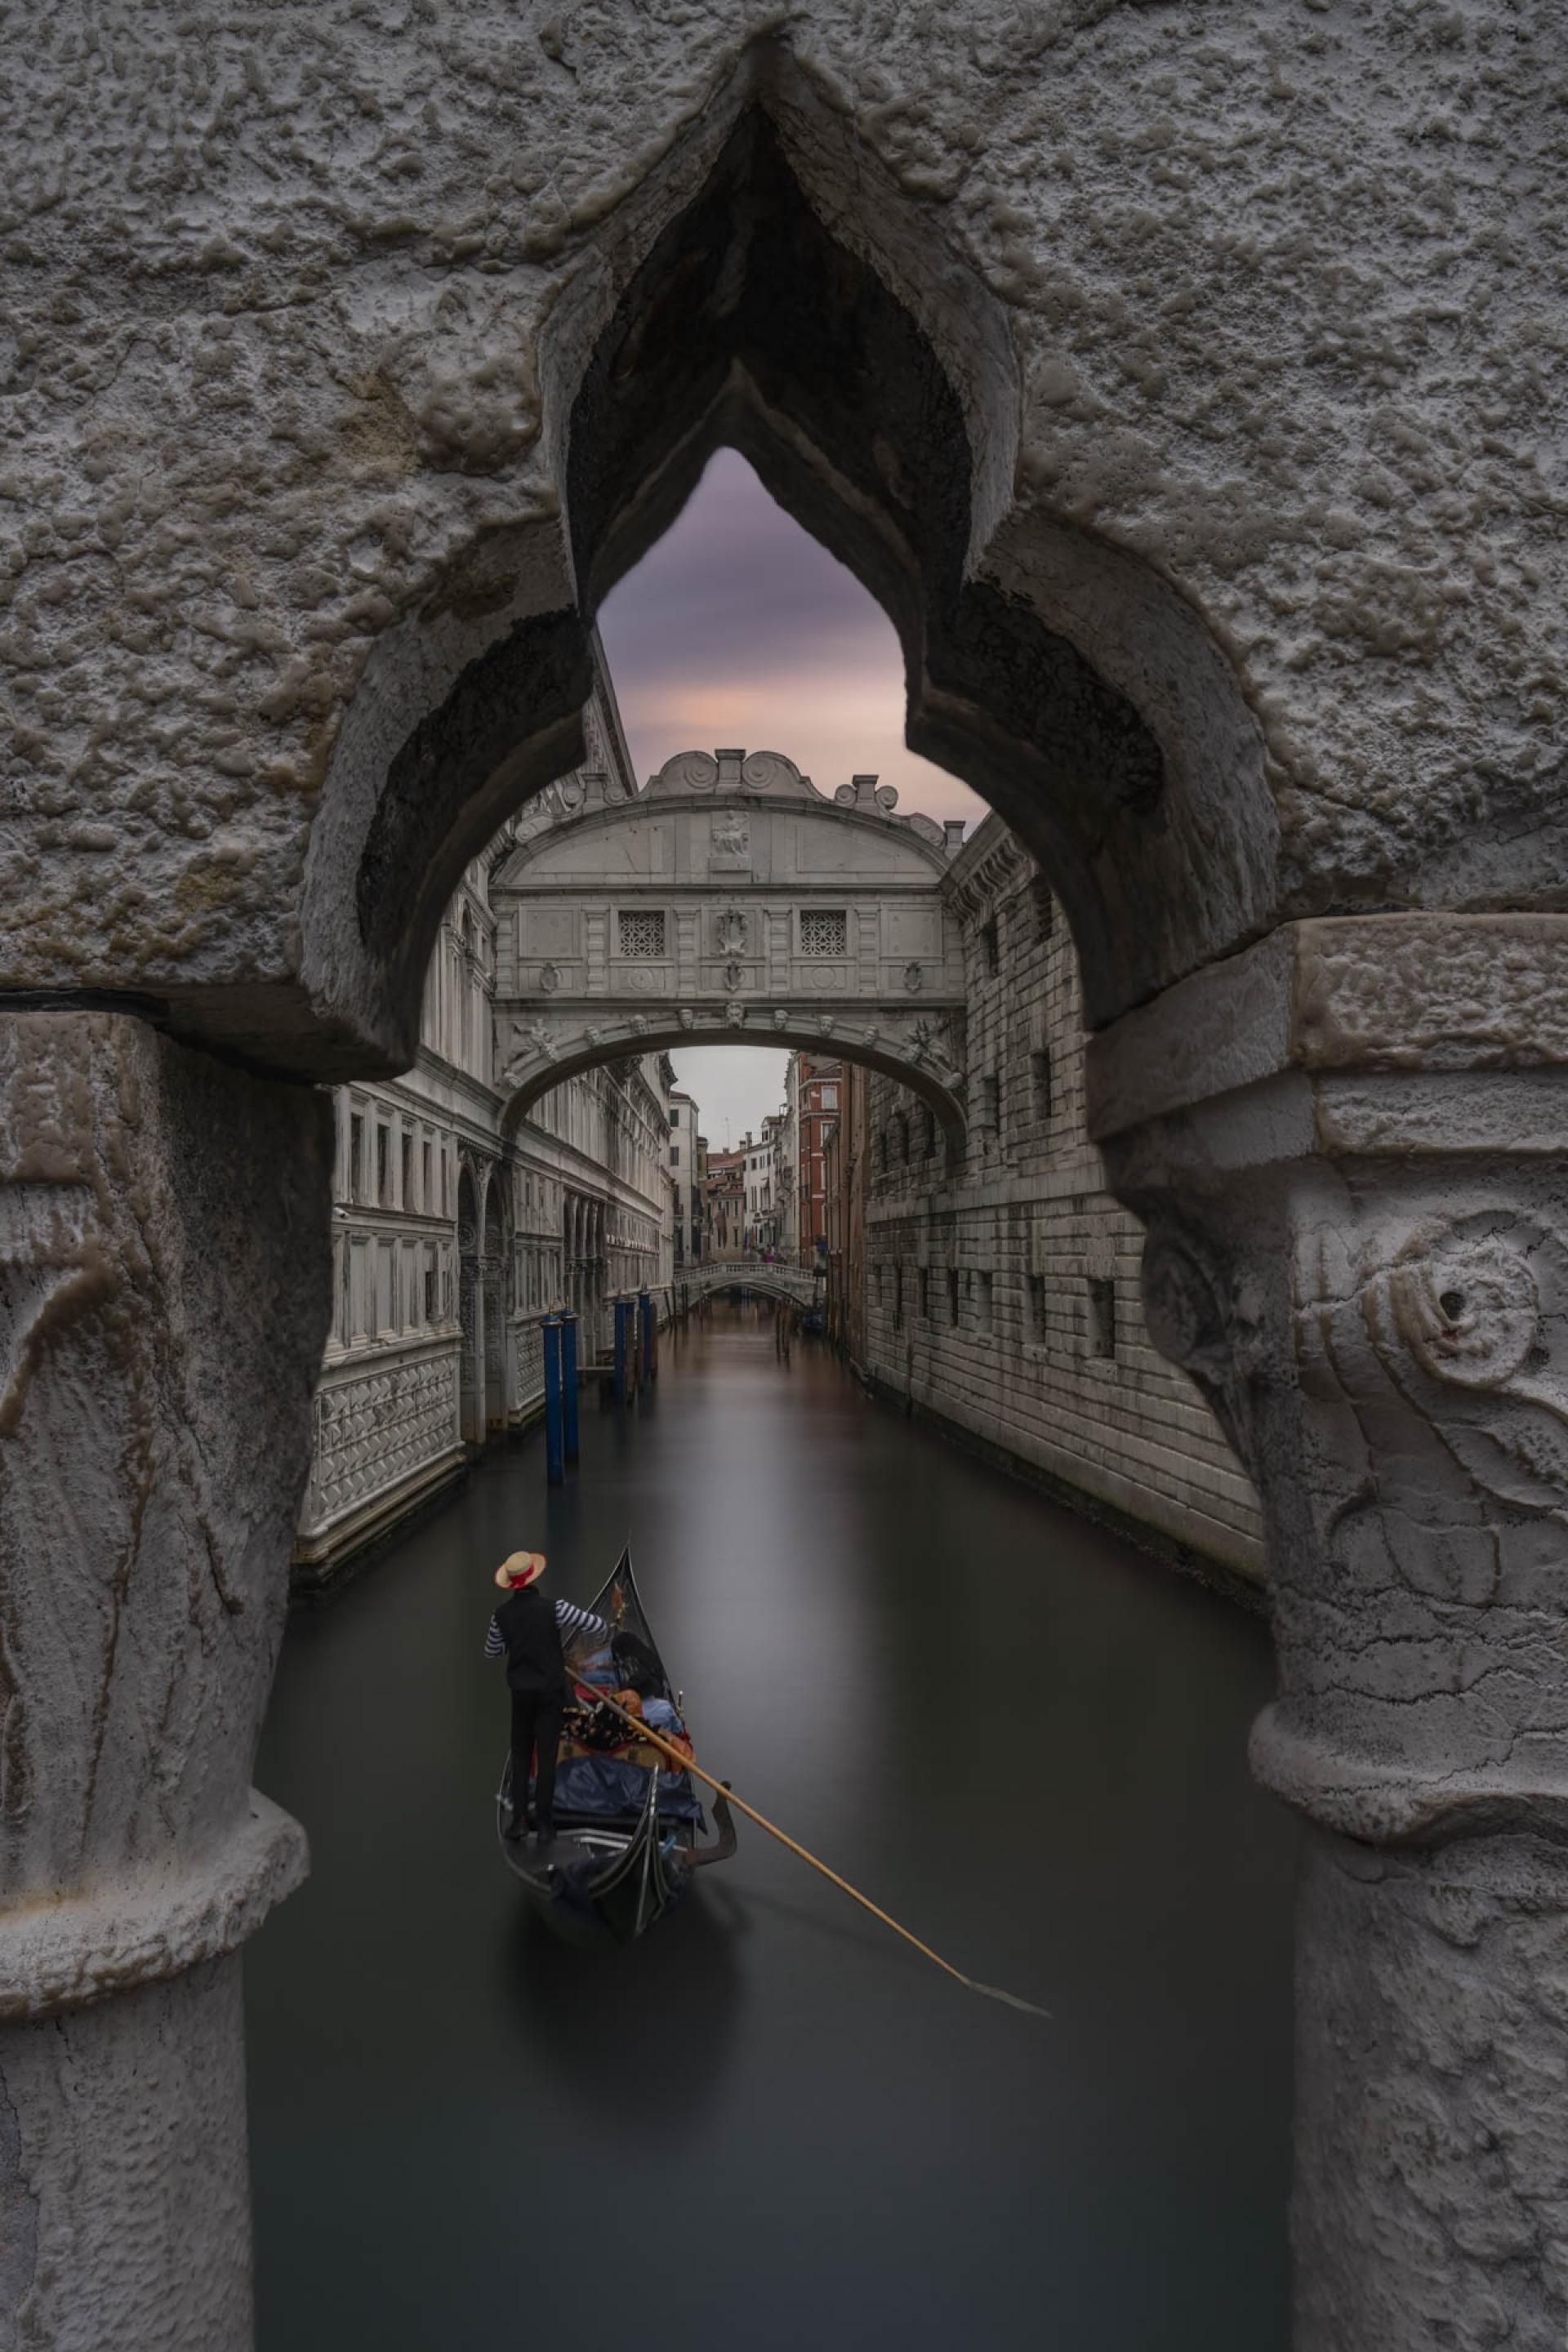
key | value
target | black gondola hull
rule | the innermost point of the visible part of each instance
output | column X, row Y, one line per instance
column 607, row 1881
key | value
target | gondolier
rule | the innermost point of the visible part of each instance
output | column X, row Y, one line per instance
column 526, row 1629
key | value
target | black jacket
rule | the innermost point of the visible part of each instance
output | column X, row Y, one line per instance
column 534, row 1662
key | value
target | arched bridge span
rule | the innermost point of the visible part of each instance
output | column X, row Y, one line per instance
column 729, row 902
column 704, row 1279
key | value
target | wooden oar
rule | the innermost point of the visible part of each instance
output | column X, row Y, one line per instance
column 688, row 1764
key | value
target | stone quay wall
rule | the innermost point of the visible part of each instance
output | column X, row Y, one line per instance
column 1000, row 1292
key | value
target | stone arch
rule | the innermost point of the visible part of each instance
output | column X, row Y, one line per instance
column 938, row 1084
column 793, row 1284
column 749, row 293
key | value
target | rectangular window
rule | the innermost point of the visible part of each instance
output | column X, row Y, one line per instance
column 925, row 1294
column 899, row 1296
column 359, row 1289
column 641, row 935
column 424, row 1176
column 984, row 1294
column 345, row 1308
column 383, row 1140
column 1038, row 1306
column 1102, row 1317
column 830, row 1099
column 991, row 1102
column 825, row 932
column 991, row 948
column 356, row 1158
column 1045, row 906
column 952, row 1296
column 430, row 1285
column 406, row 1157
column 1040, row 1064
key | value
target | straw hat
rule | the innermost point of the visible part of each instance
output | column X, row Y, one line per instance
column 519, row 1567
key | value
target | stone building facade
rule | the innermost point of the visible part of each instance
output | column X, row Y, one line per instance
column 816, row 1082
column 456, row 1227
column 725, row 1208
column 688, row 1173
column 998, row 1290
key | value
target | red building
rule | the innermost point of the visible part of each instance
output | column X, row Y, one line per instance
column 815, row 1087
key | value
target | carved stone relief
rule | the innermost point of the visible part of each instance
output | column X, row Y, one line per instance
column 54, row 1259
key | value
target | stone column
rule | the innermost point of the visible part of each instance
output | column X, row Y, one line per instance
column 164, row 1293
column 1350, row 1146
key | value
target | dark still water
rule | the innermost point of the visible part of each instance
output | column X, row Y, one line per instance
column 770, row 2126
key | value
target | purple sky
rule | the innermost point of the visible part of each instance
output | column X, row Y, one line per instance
column 739, row 629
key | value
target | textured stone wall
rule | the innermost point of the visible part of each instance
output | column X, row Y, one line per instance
column 980, row 1280
column 1246, row 317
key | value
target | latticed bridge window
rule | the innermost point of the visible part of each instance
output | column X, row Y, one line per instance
column 824, row 932
column 642, row 935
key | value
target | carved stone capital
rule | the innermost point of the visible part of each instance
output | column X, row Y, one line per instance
column 164, row 1293
column 1348, row 1148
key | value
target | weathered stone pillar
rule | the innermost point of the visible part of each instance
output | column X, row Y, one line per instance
column 1350, row 1145
column 165, row 1290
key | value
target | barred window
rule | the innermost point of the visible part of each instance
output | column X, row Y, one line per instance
column 824, row 932
column 641, row 935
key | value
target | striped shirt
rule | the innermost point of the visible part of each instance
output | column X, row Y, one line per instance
column 568, row 1616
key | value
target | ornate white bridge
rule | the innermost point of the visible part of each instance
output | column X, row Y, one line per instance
column 728, row 902
column 704, row 1278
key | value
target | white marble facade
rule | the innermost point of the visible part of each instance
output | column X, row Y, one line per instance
column 456, row 1226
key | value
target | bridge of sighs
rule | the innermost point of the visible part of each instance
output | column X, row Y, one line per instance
column 728, row 901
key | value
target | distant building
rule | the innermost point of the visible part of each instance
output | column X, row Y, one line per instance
column 726, row 1209
column 687, row 1153
column 816, row 1083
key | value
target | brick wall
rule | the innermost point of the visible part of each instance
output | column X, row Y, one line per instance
column 1001, row 1291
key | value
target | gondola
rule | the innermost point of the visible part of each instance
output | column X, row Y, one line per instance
column 626, row 1829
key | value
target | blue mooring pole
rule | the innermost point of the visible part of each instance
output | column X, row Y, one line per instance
column 620, row 1351
column 569, row 1388
column 644, row 1309
column 554, row 1469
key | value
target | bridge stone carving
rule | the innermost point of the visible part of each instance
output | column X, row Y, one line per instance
column 728, row 901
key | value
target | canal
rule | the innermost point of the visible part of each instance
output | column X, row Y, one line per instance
column 769, row 2125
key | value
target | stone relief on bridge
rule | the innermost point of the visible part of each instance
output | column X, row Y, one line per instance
column 833, row 914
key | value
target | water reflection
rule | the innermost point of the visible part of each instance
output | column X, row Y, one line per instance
column 768, row 2122
column 568, row 2008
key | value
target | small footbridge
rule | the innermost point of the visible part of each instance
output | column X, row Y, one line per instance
column 706, row 1278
